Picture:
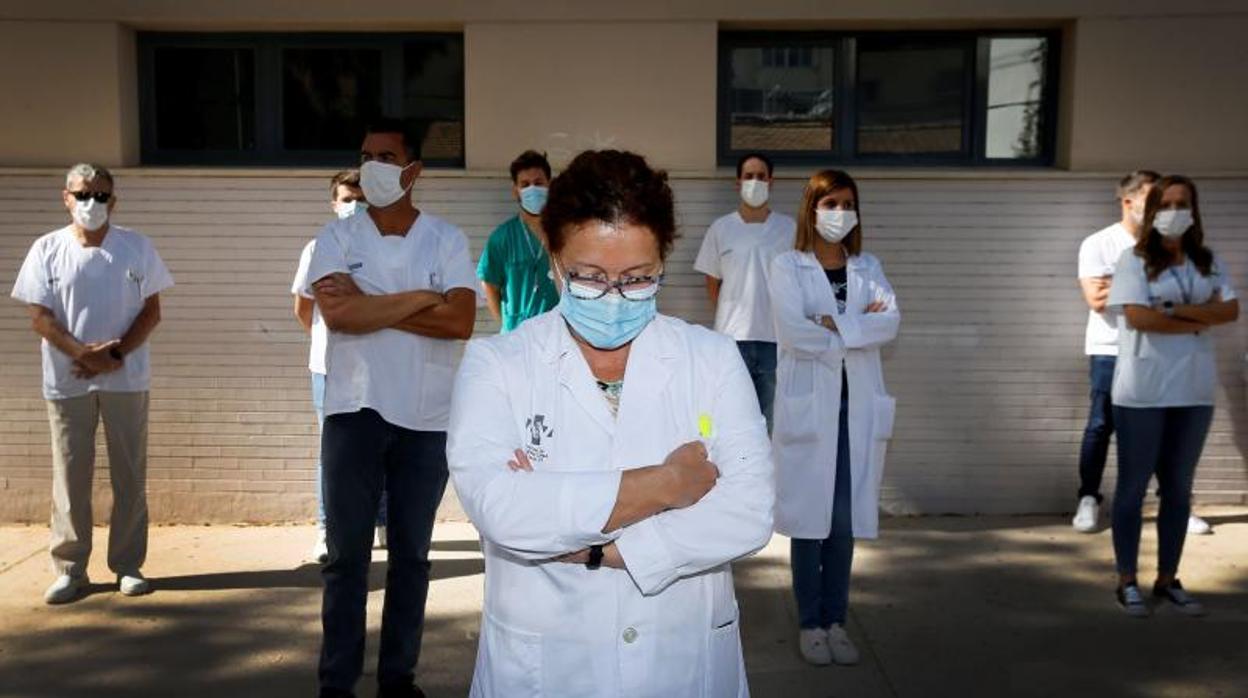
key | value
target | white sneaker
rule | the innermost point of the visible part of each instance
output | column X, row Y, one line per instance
column 1087, row 515
column 379, row 537
column 1198, row 526
column 320, row 551
column 814, row 646
column 842, row 648
column 66, row 588
column 133, row 584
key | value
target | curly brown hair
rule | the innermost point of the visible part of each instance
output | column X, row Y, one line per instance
column 611, row 186
column 1150, row 248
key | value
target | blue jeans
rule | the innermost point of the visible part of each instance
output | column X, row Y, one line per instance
column 1161, row 441
column 821, row 567
column 760, row 361
column 318, row 403
column 360, row 448
column 1099, row 429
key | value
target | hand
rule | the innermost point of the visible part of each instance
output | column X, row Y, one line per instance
column 520, row 462
column 95, row 359
column 877, row 307
column 827, row 322
column 610, row 557
column 690, row 475
column 337, row 284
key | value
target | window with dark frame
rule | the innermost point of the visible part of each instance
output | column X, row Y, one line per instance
column 889, row 98
column 295, row 99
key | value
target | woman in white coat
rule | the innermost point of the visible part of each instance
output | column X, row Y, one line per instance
column 833, row 310
column 615, row 462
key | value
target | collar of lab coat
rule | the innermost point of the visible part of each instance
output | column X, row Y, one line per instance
column 649, row 369
column 855, row 263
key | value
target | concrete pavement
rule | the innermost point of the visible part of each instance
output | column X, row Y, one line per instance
column 980, row 606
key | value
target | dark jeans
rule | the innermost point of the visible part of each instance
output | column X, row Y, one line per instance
column 821, row 567
column 318, row 404
column 1161, row 441
column 359, row 449
column 1100, row 427
column 760, row 361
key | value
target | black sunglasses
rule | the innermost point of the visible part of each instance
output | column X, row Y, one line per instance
column 100, row 196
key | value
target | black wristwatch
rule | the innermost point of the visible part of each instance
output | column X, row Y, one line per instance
column 116, row 354
column 595, row 557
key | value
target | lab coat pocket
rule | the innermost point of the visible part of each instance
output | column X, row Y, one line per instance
column 884, row 412
column 723, row 654
column 509, row 661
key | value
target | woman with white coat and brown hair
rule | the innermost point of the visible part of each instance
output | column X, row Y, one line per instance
column 833, row 311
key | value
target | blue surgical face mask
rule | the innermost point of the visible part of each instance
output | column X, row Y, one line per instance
column 533, row 199
column 609, row 322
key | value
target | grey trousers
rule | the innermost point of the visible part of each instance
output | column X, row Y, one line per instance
column 74, row 422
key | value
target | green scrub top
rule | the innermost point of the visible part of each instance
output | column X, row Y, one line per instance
column 515, row 261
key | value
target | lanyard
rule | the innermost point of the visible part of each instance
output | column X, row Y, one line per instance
column 1187, row 291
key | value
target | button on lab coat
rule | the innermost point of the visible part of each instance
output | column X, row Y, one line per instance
column 808, row 391
column 668, row 626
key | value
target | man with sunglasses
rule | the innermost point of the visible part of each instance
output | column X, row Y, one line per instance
column 93, row 292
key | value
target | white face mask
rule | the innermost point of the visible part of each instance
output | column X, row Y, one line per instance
column 1137, row 214
column 834, row 225
column 90, row 215
column 346, row 209
column 383, row 183
column 1173, row 222
column 754, row 192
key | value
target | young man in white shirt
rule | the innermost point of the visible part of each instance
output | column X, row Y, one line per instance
column 396, row 287
column 347, row 199
column 93, row 291
column 1098, row 256
column 735, row 255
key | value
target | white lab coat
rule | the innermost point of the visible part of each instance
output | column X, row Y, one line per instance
column 808, row 391
column 668, row 626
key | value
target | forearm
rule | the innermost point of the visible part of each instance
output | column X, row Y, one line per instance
column 712, row 290
column 1146, row 319
column 364, row 314
column 451, row 318
column 303, row 312
column 142, row 328
column 493, row 300
column 49, row 328
column 639, row 497
column 1212, row 313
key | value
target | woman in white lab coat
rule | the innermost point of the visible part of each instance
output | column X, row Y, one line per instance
column 615, row 462
column 833, row 310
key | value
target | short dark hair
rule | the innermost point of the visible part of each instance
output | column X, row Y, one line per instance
column 527, row 161
column 413, row 133
column 610, row 186
column 346, row 178
column 754, row 156
column 1133, row 182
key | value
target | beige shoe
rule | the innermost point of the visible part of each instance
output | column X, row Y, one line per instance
column 841, row 647
column 814, row 646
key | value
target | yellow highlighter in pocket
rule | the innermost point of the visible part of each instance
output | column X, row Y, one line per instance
column 705, row 428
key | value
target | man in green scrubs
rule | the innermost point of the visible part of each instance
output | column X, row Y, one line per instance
column 514, row 269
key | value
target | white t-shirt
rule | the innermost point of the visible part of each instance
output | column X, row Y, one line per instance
column 739, row 255
column 1164, row 370
column 1098, row 255
column 96, row 293
column 405, row 377
column 320, row 335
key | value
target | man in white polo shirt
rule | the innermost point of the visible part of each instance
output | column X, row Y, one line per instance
column 93, row 293
column 735, row 255
column 396, row 286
